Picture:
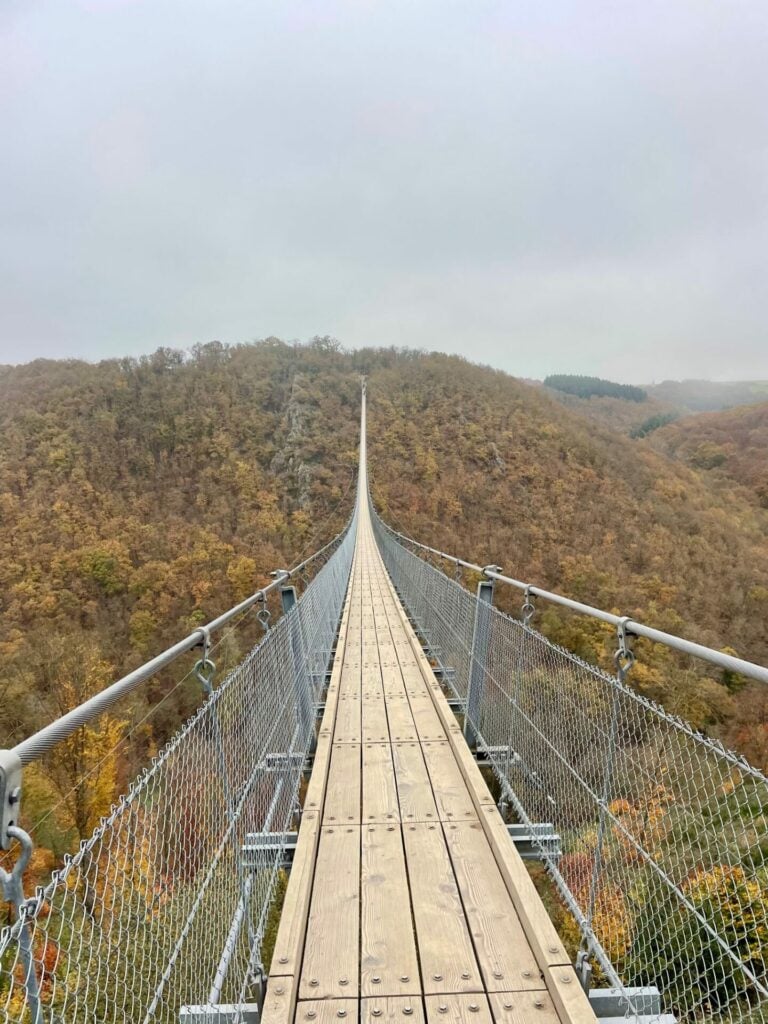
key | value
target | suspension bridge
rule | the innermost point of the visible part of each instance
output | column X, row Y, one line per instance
column 337, row 777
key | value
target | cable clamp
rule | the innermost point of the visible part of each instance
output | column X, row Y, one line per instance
column 624, row 658
column 529, row 607
column 205, row 669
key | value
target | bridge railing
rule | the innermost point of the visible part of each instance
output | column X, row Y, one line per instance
column 167, row 904
column 662, row 858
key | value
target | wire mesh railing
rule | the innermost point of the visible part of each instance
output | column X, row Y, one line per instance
column 663, row 853
column 166, row 905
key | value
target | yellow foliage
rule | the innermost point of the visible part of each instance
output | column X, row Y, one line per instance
column 86, row 762
column 612, row 921
column 647, row 823
column 241, row 573
column 143, row 626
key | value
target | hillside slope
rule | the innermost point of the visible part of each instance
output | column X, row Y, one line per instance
column 474, row 462
column 142, row 497
column 470, row 459
column 730, row 446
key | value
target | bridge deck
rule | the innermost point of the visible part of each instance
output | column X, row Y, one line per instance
column 407, row 899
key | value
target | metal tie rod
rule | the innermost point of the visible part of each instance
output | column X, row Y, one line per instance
column 41, row 742
column 726, row 661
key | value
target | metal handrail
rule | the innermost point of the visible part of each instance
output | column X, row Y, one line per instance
column 41, row 742
column 630, row 626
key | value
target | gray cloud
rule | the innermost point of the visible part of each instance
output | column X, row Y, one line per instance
column 552, row 186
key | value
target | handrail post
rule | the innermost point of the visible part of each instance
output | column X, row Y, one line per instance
column 478, row 656
column 302, row 681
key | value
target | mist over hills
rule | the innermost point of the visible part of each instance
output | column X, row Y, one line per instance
column 663, row 403
column 709, row 395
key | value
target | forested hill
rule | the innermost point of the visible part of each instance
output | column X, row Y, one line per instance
column 731, row 446
column 478, row 463
column 142, row 497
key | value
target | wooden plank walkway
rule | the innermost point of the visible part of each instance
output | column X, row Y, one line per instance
column 407, row 899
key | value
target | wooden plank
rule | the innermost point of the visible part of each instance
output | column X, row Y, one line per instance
column 469, row 769
column 331, row 951
column 445, row 949
column 380, row 803
column 543, row 938
column 425, row 717
column 371, row 643
column 350, row 676
column 391, row 1010
column 286, row 958
column 342, row 797
column 326, row 1011
column 458, row 1009
column 413, row 789
column 317, row 783
column 401, row 642
column 401, row 725
column 392, row 679
column 375, row 724
column 523, row 1007
column 350, row 673
column 370, row 682
column 462, row 754
column 282, row 989
column 409, row 665
column 387, row 655
column 387, row 652
column 454, row 802
column 388, row 964
column 315, row 794
column 569, row 998
column 279, row 1000
column 371, row 677
column 501, row 946
column 348, row 720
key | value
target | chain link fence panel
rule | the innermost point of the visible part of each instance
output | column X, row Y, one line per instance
column 663, row 858
column 167, row 903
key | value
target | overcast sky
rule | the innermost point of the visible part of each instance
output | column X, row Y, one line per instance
column 542, row 186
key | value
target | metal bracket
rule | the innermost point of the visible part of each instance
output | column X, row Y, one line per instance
column 320, row 679
column 584, row 970
column 532, row 842
column 431, row 650
column 613, row 1005
column 487, row 755
column 478, row 656
column 288, row 597
column 260, row 844
column 536, row 842
column 10, row 794
column 445, row 675
column 283, row 762
column 222, row 1013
